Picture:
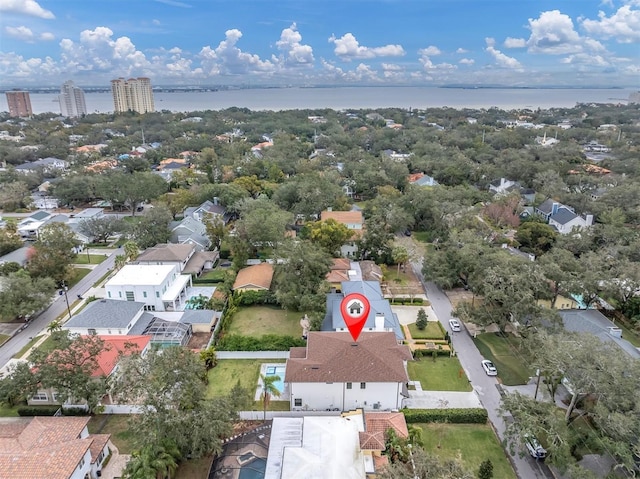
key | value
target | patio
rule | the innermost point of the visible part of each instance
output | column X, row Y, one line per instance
column 243, row 456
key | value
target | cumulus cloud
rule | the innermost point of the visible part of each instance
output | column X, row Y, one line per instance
column 427, row 63
column 294, row 53
column 21, row 33
column 25, row 7
column 228, row 59
column 515, row 43
column 17, row 67
column 553, row 33
column 500, row 58
column 348, row 48
column 467, row 61
column 430, row 51
column 391, row 71
column 461, row 51
column 47, row 36
column 623, row 25
column 586, row 59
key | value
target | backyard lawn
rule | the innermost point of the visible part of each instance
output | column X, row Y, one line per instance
column 92, row 259
column 473, row 442
column 443, row 374
column 261, row 320
column 118, row 426
column 194, row 468
column 432, row 331
column 503, row 351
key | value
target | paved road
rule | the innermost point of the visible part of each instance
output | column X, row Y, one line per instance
column 40, row 323
column 485, row 386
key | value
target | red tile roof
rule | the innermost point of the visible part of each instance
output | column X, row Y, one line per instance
column 335, row 357
column 376, row 426
column 344, row 217
column 116, row 346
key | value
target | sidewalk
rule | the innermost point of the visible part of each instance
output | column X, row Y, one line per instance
column 420, row 399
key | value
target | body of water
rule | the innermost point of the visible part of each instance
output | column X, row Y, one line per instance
column 340, row 98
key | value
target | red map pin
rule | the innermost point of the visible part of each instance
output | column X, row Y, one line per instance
column 355, row 309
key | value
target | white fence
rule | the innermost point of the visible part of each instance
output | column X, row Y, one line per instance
column 252, row 354
column 122, row 409
column 259, row 415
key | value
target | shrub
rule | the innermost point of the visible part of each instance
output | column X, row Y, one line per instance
column 453, row 416
column 75, row 411
column 249, row 298
column 421, row 322
column 37, row 410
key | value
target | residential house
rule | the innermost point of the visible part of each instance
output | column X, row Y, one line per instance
column 421, row 179
column 342, row 269
column 373, row 435
column 188, row 259
column 28, row 227
column 381, row 318
column 598, row 193
column 370, row 271
column 335, row 372
column 160, row 287
column 190, row 231
column 594, row 322
column 51, row 448
column 20, row 256
column 565, row 220
column 48, row 164
column 87, row 214
column 394, row 155
column 208, row 209
column 256, row 277
column 351, row 219
column 503, row 186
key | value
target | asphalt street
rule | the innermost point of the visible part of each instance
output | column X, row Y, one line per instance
column 59, row 305
column 485, row 386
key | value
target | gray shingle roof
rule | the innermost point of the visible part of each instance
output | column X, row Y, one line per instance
column 105, row 313
column 563, row 216
column 546, row 206
column 197, row 316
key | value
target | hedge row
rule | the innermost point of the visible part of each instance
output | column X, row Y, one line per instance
column 268, row 342
column 409, row 302
column 453, row 416
column 37, row 410
column 426, row 353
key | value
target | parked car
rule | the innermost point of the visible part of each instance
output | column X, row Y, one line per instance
column 455, row 324
column 534, row 448
column 489, row 368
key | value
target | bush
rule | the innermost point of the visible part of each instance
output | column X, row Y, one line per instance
column 249, row 298
column 421, row 353
column 453, row 416
column 75, row 411
column 268, row 342
column 37, row 410
column 421, row 322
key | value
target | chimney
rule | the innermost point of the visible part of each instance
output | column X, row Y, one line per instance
column 588, row 219
column 379, row 322
column 554, row 208
column 216, row 200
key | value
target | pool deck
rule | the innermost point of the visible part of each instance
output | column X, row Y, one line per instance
column 284, row 395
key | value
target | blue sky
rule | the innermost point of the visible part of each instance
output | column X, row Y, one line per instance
column 321, row 42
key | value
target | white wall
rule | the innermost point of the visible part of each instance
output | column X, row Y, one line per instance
column 81, row 471
column 321, row 396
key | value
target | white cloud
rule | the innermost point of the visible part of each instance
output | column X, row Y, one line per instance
column 434, row 70
column 228, row 59
column 348, row 48
column 294, row 53
column 47, row 36
column 467, row 61
column 500, row 58
column 553, row 33
column 430, row 51
column 21, row 33
column 623, row 25
column 174, row 3
column 155, row 21
column 391, row 71
column 586, row 59
column 25, row 7
column 515, row 43
column 461, row 51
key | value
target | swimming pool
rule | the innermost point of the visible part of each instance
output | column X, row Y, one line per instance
column 253, row 470
column 276, row 371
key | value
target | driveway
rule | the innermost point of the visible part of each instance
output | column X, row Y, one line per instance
column 485, row 387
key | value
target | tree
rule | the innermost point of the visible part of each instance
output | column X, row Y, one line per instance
column 100, row 228
column 120, row 261
column 269, row 388
column 561, row 268
column 329, row 234
column 421, row 321
column 170, row 387
column 400, row 256
column 427, row 466
column 261, row 223
column 208, row 356
column 375, row 243
column 216, row 230
column 152, row 228
column 154, row 461
column 486, row 469
column 129, row 190
column 70, row 369
column 299, row 279
column 131, row 250
column 21, row 295
column 14, row 195
column 54, row 251
column 535, row 237
column 18, row 384
column 9, row 241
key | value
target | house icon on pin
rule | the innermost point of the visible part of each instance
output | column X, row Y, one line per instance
column 355, row 308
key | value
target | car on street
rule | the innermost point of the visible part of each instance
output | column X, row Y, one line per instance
column 489, row 368
column 455, row 324
column 534, row 448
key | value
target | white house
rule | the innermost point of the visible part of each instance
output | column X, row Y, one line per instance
column 565, row 220
column 351, row 219
column 335, row 372
column 159, row 287
column 106, row 317
column 503, row 186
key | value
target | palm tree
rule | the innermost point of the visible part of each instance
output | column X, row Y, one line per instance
column 165, row 457
column 131, row 250
column 54, row 325
column 120, row 261
column 139, row 466
column 268, row 389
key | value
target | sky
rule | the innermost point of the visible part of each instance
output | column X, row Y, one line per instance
column 526, row 43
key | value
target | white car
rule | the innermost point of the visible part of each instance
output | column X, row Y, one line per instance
column 533, row 446
column 455, row 325
column 489, row 368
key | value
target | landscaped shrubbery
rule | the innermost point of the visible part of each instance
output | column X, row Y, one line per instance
column 425, row 353
column 37, row 410
column 452, row 416
column 268, row 342
column 249, row 298
column 410, row 302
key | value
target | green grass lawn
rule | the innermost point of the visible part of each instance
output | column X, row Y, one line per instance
column 442, row 375
column 3, row 338
column 474, row 443
column 194, row 468
column 423, row 236
column 629, row 334
column 92, row 259
column 118, row 426
column 261, row 320
column 432, row 331
column 99, row 282
column 400, row 279
column 77, row 274
column 214, row 275
column 226, row 374
column 6, row 411
column 27, row 346
column 503, row 351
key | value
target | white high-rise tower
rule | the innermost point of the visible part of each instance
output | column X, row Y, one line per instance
column 134, row 94
column 72, row 100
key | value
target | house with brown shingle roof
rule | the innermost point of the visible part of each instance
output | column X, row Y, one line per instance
column 254, row 278
column 51, row 448
column 190, row 260
column 351, row 219
column 336, row 372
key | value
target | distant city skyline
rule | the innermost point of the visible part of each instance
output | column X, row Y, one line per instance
column 350, row 42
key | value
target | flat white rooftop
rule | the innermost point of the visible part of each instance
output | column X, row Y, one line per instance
column 141, row 275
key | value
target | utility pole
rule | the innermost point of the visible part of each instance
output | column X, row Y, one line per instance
column 66, row 298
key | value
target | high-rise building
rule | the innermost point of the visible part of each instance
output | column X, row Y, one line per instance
column 19, row 103
column 134, row 94
column 71, row 100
